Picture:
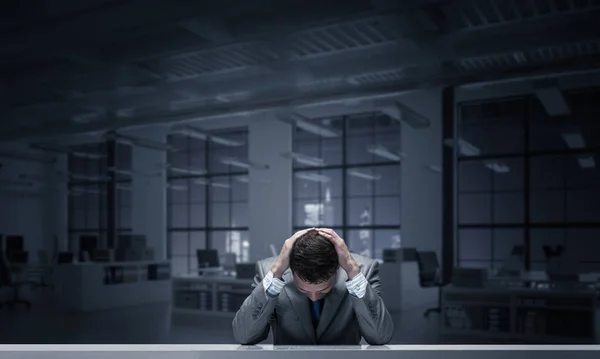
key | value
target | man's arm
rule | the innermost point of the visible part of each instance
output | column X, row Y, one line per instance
column 374, row 320
column 252, row 321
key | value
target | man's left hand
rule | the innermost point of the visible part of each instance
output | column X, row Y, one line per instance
column 344, row 257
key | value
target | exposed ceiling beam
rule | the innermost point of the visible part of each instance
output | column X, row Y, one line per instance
column 254, row 106
column 207, row 29
column 468, row 45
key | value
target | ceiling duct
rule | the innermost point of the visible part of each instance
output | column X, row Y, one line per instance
column 138, row 142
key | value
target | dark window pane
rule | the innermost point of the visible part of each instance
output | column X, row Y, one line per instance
column 475, row 245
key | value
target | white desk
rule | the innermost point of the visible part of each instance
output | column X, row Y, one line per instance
column 210, row 295
column 276, row 352
column 519, row 315
column 401, row 288
column 106, row 285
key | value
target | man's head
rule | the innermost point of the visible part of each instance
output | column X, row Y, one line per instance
column 314, row 263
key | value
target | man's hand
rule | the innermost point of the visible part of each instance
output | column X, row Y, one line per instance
column 344, row 257
column 282, row 263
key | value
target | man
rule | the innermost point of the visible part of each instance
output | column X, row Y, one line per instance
column 315, row 292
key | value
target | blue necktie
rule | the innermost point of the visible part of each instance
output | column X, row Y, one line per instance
column 317, row 309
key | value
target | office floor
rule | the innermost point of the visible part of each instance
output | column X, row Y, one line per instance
column 154, row 324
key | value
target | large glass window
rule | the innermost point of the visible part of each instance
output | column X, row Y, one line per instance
column 207, row 197
column 526, row 178
column 347, row 177
column 90, row 185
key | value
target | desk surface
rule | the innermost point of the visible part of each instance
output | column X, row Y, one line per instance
column 294, row 352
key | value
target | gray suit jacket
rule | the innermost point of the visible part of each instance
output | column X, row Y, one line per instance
column 344, row 320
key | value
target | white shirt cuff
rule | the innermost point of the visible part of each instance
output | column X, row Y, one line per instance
column 357, row 286
column 272, row 285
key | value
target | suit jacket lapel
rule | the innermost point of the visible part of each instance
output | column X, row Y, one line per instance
column 299, row 302
column 333, row 302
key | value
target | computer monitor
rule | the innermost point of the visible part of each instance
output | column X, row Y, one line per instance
column 245, row 270
column 18, row 257
column 207, row 258
column 64, row 258
column 14, row 244
column 518, row 251
column 88, row 243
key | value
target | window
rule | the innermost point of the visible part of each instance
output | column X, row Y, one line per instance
column 347, row 177
column 90, row 187
column 207, row 197
column 525, row 178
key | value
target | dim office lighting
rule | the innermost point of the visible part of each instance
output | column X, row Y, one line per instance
column 383, row 152
column 464, row 148
column 231, row 161
column 188, row 171
column 586, row 162
column 304, row 159
column 574, row 140
column 497, row 167
column 313, row 177
column 363, row 175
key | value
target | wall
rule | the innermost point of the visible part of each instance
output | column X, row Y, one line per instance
column 149, row 198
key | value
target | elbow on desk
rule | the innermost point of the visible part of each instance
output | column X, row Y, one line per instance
column 384, row 336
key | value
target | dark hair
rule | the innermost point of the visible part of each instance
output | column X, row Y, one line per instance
column 313, row 258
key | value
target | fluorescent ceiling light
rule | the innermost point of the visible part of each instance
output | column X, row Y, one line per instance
column 220, row 185
column 201, row 181
column 243, row 179
column 140, row 142
column 82, row 177
column 383, row 152
column 587, row 162
column 313, row 177
column 434, row 168
column 197, row 172
column 464, row 147
column 88, row 155
column 120, row 172
column 401, row 112
column 574, row 140
column 177, row 187
column 363, row 175
column 553, row 101
column 231, row 161
column 310, row 127
column 305, row 160
column 497, row 167
column 226, row 142
column 191, row 133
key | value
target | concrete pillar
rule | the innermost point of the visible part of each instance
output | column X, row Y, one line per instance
column 270, row 197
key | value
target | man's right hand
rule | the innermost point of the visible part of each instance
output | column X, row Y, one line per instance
column 282, row 263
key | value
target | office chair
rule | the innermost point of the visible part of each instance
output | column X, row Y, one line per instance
column 6, row 280
column 429, row 276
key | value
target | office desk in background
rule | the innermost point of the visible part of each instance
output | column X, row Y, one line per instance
column 529, row 309
column 209, row 295
column 106, row 285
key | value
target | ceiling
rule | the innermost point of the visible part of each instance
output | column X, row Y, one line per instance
column 90, row 65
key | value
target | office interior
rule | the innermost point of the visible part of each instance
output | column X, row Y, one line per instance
column 152, row 152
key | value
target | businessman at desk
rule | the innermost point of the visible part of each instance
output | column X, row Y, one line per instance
column 315, row 292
